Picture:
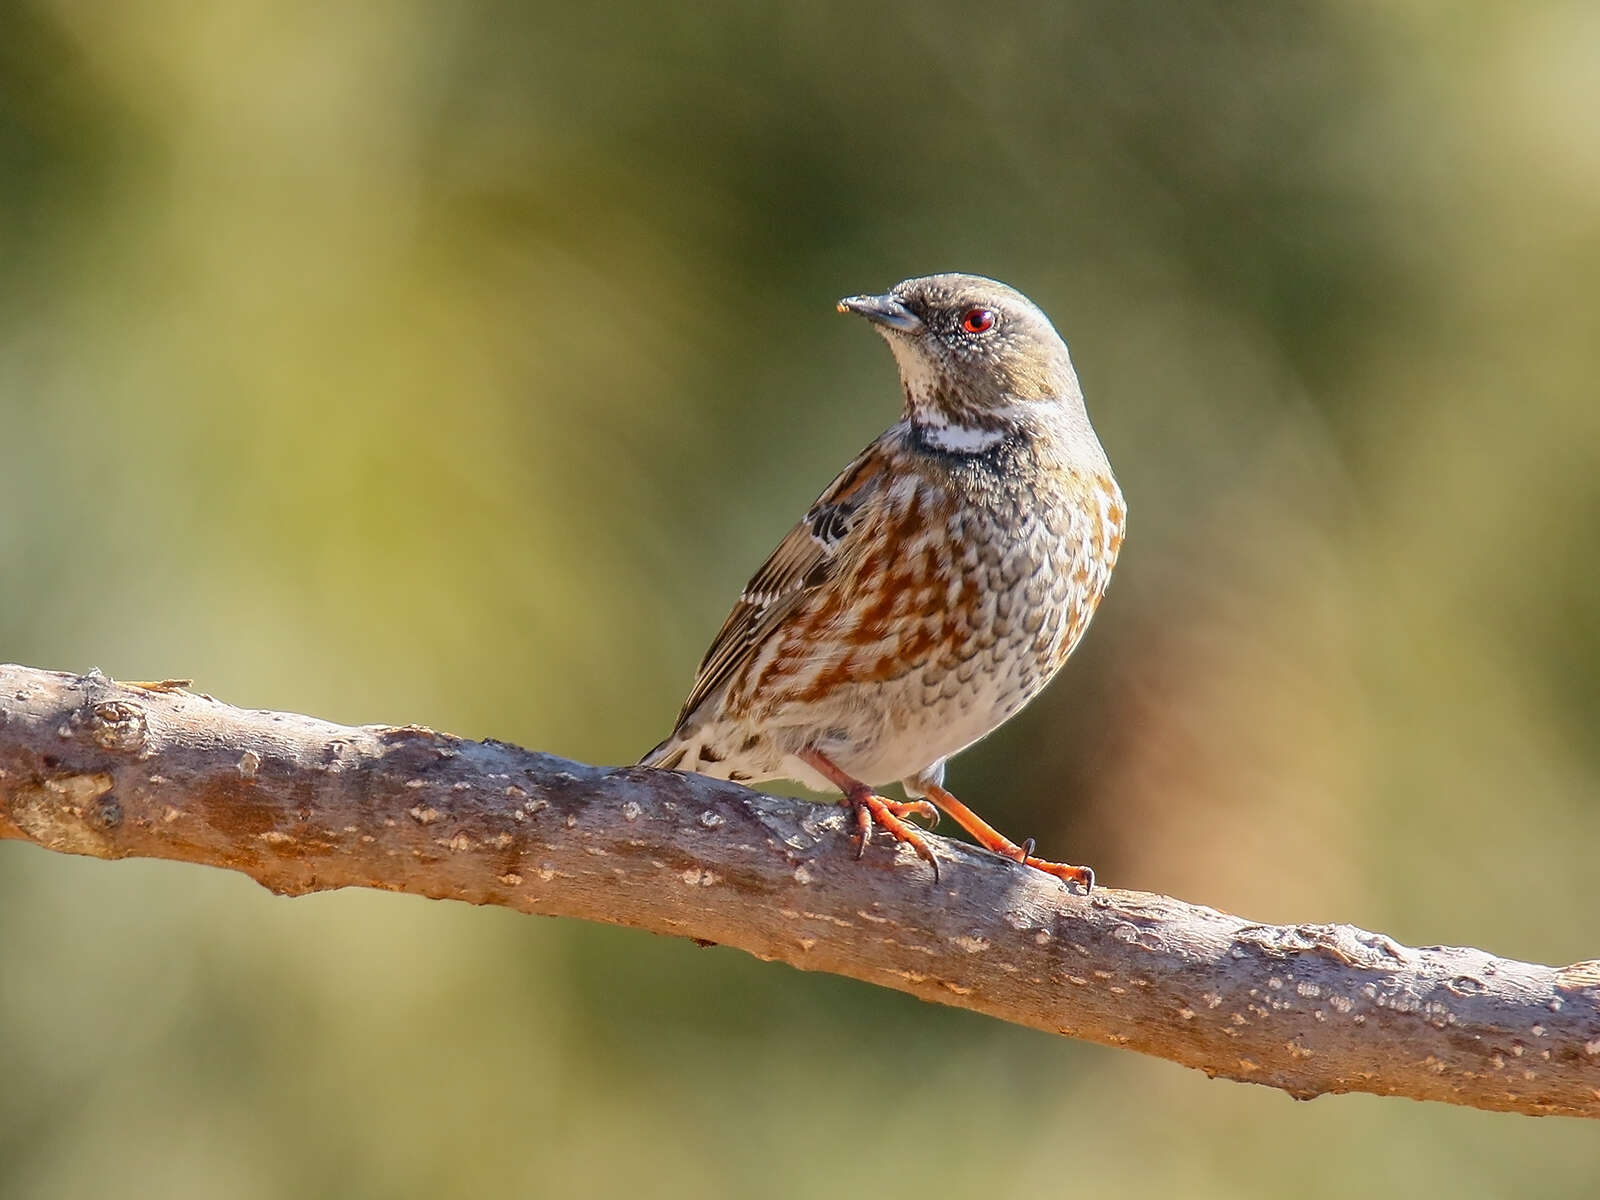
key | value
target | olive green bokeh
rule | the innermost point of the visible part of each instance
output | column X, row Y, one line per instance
column 457, row 363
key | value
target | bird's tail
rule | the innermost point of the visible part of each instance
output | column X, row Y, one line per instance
column 667, row 756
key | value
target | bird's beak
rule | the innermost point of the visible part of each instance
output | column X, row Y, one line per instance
column 883, row 310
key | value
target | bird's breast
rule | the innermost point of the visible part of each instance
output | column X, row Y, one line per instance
column 965, row 597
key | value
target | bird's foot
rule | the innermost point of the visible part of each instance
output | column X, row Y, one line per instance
column 869, row 807
column 889, row 815
column 902, row 809
column 991, row 839
column 1063, row 871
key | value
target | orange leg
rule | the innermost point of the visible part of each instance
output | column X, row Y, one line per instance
column 870, row 807
column 991, row 839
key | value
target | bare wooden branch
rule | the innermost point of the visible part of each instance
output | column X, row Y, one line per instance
column 89, row 766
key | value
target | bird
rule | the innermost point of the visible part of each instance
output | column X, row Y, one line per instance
column 933, row 589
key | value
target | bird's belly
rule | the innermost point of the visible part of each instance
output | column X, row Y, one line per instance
column 887, row 730
column 953, row 705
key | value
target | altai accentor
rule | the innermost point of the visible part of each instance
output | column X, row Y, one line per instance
column 934, row 587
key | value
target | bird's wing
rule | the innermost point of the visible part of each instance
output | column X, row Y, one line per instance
column 814, row 551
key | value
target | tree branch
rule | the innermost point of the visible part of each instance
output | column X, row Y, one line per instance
column 89, row 766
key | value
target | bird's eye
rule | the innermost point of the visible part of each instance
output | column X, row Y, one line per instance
column 978, row 320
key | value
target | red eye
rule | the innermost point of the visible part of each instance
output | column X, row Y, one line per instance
column 978, row 320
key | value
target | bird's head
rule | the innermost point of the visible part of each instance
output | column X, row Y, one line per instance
column 976, row 357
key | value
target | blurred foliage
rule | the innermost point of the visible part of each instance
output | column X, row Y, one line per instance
column 456, row 364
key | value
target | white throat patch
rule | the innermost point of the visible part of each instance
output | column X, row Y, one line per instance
column 961, row 439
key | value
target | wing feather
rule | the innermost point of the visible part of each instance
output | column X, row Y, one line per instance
column 813, row 552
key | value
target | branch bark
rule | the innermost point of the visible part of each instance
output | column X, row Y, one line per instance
column 90, row 766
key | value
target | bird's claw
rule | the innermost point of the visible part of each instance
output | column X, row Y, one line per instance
column 889, row 815
column 914, row 808
column 1083, row 876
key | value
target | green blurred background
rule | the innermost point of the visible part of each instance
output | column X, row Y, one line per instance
column 457, row 363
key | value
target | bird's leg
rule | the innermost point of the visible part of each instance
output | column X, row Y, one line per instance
column 992, row 839
column 870, row 807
